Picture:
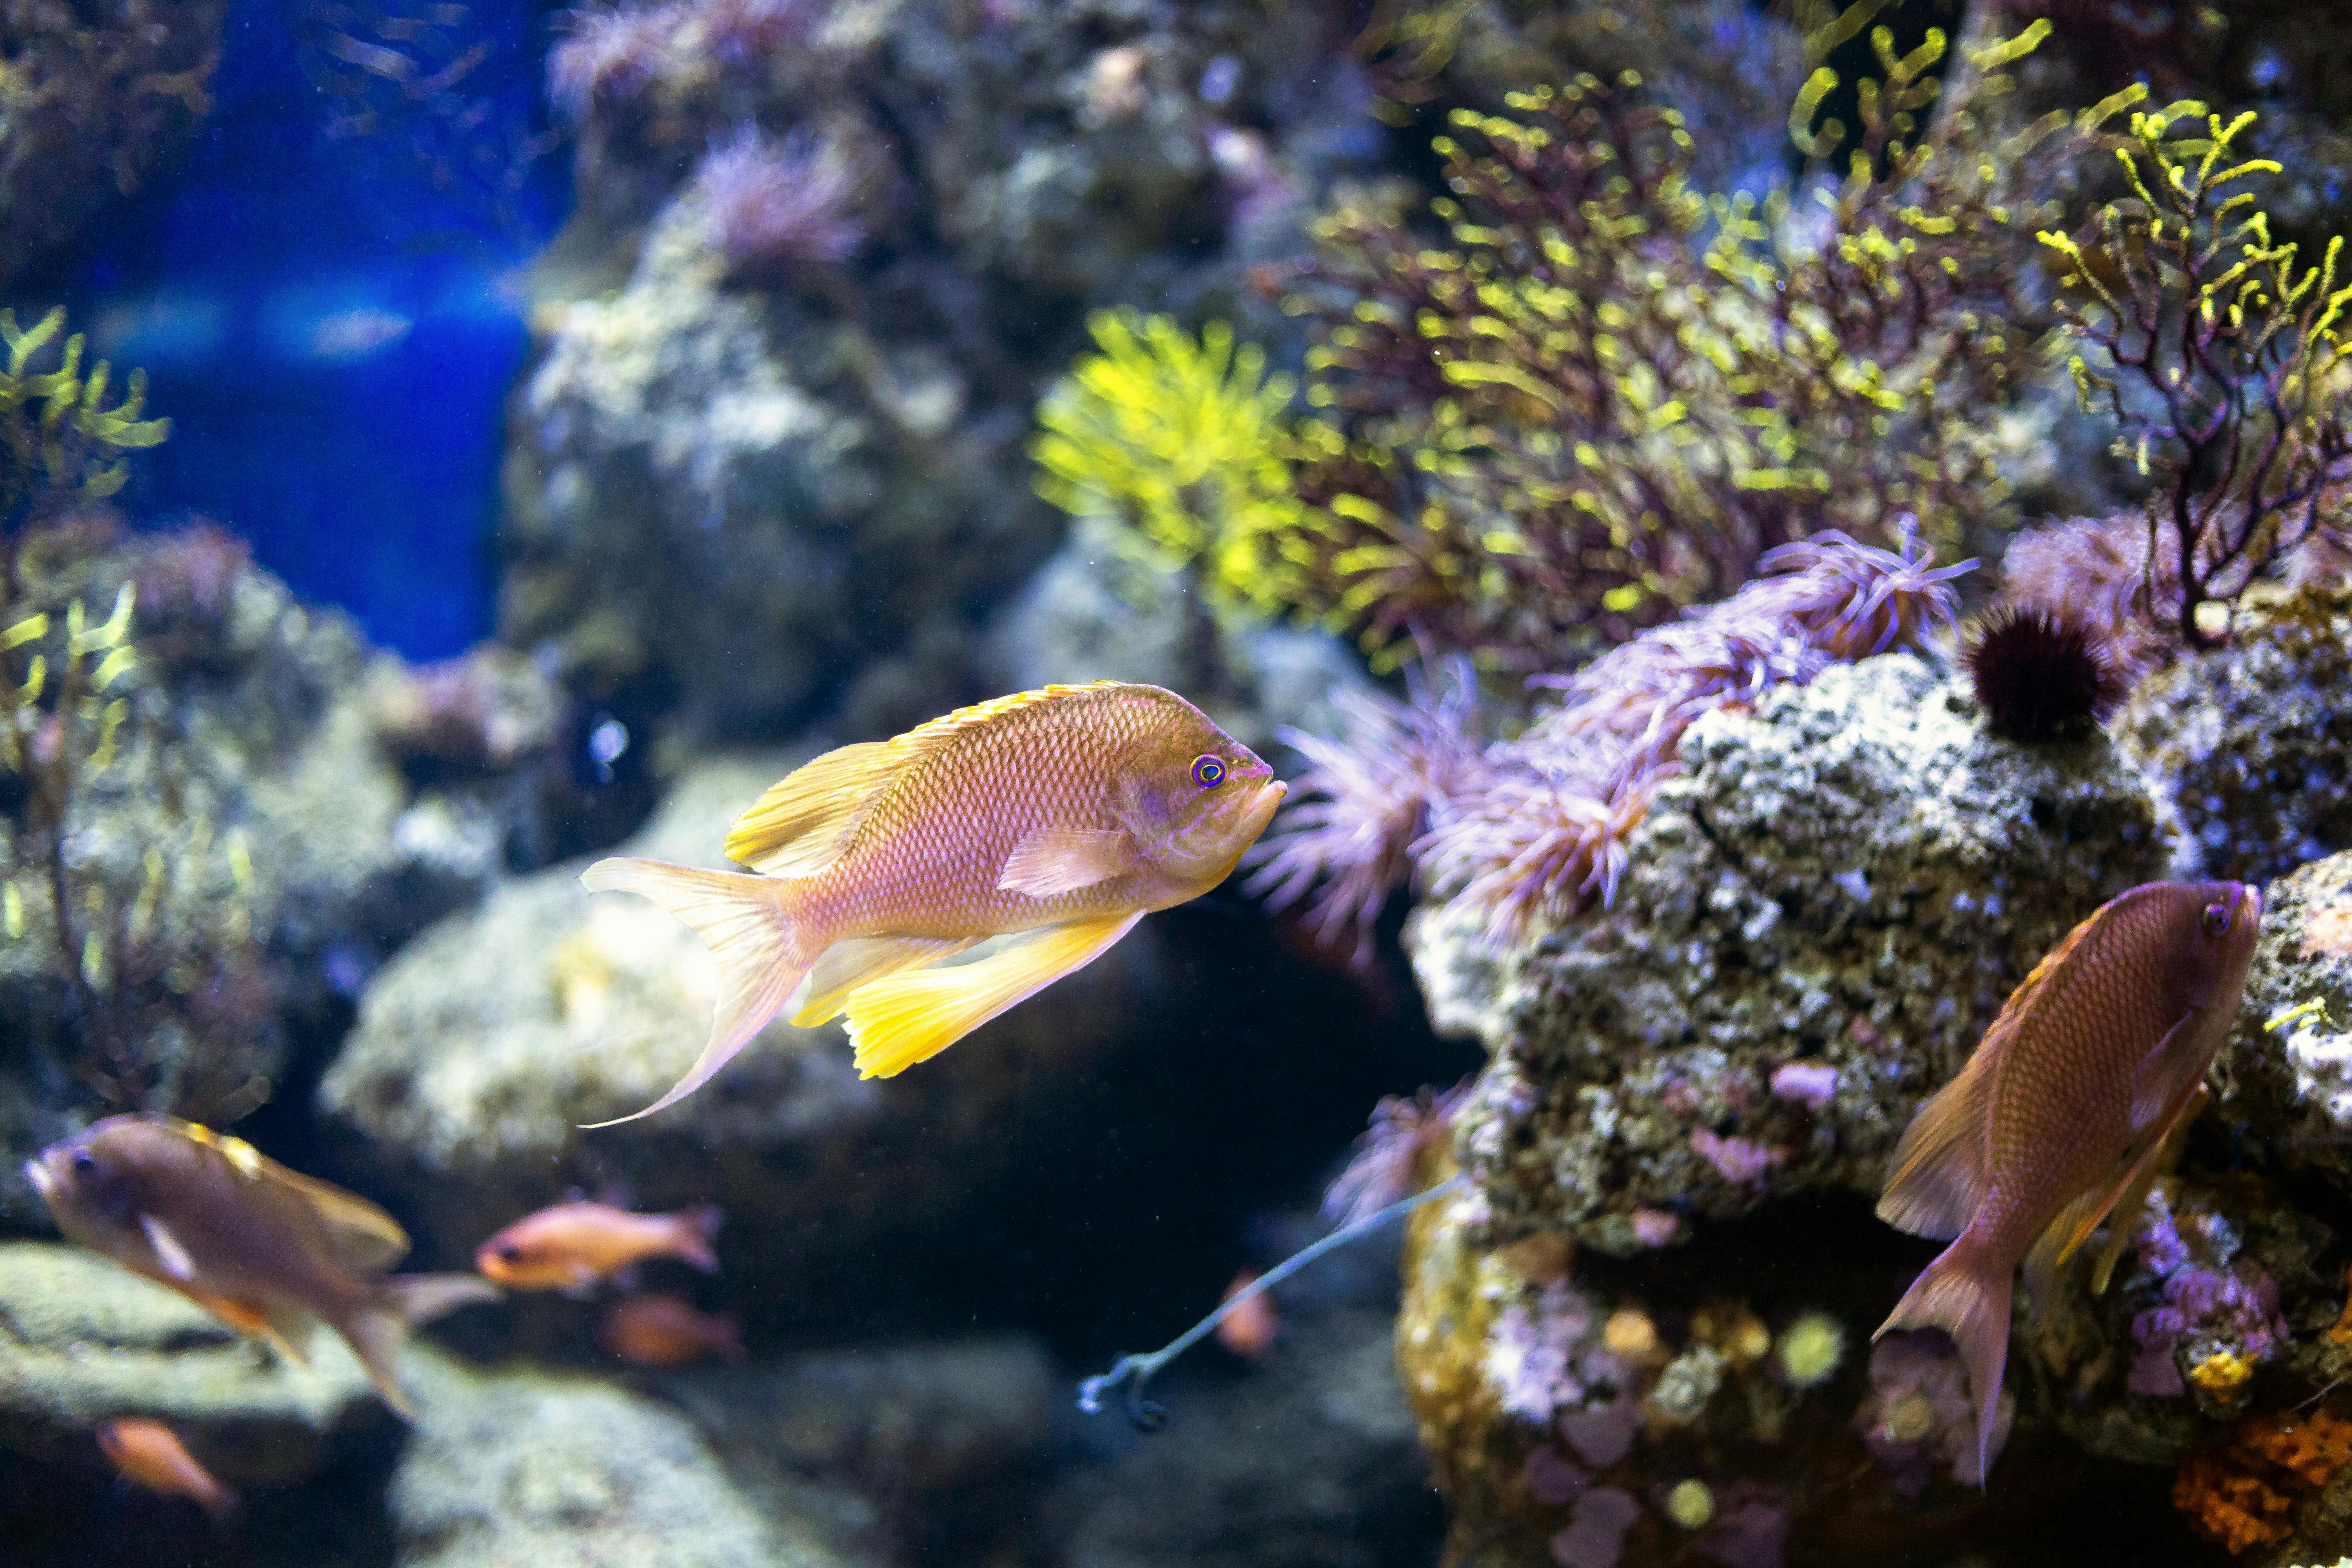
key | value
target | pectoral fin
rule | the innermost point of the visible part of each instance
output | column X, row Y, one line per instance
column 1054, row 860
column 2156, row 1085
column 911, row 1017
column 860, row 961
column 168, row 1251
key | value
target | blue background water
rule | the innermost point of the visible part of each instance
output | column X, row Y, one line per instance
column 337, row 385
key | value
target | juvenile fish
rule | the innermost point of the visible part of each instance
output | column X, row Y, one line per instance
column 152, row 1454
column 668, row 1331
column 2066, row 1110
column 1057, row 818
column 572, row 1245
column 261, row 1248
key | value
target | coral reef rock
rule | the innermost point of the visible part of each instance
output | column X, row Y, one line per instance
column 1855, row 877
column 83, row 1340
column 2287, row 1090
column 521, row 1469
column 2252, row 742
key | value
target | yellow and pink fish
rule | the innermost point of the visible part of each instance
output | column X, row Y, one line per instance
column 1053, row 820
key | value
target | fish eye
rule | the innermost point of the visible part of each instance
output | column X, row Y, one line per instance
column 85, row 1163
column 2217, row 919
column 1208, row 772
column 510, row 1253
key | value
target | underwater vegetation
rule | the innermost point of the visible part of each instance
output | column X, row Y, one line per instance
column 1607, row 395
column 2224, row 364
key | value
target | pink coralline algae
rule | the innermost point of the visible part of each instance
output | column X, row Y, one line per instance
column 1595, row 1536
column 1919, row 1415
column 1656, row 1228
column 1736, row 1159
column 1751, row 1528
column 2213, row 1308
column 1809, row 1084
column 1545, row 1356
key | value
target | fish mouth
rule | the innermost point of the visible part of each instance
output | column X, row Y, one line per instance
column 37, row 1170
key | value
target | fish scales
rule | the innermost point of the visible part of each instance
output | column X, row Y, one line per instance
column 2066, row 1111
column 1053, row 819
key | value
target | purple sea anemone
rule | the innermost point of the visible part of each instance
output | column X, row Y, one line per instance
column 1853, row 600
column 740, row 31
column 2041, row 674
column 1367, row 798
column 1919, row 1415
column 774, row 205
column 611, row 54
column 1595, row 1536
column 1387, row 1162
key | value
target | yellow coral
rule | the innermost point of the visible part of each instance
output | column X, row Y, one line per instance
column 2221, row 1372
column 1181, row 438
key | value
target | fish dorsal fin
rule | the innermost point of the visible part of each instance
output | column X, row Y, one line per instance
column 359, row 1236
column 896, row 1022
column 807, row 819
column 1054, row 860
column 1937, row 1177
column 860, row 961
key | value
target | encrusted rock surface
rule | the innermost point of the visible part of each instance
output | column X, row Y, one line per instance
column 83, row 1340
column 533, row 1470
column 1851, row 878
column 2254, row 742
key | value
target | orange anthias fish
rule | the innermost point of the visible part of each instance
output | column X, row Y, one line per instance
column 1057, row 818
column 1249, row 1329
column 574, row 1245
column 261, row 1248
column 2065, row 1110
column 150, row 1454
column 668, row 1331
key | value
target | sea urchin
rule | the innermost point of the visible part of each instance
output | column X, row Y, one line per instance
column 2043, row 673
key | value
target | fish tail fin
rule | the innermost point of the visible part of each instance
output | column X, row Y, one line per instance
column 696, row 1230
column 378, row 1327
column 218, row 1500
column 1966, row 1294
column 747, row 922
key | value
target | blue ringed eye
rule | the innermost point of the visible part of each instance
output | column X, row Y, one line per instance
column 1208, row 772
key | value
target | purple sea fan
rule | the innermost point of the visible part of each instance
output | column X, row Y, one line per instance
column 1366, row 799
column 774, row 205
column 1387, row 1162
column 611, row 54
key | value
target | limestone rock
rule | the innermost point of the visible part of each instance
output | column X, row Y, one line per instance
column 1851, row 878
column 83, row 1340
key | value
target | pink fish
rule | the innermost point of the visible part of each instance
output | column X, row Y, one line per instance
column 571, row 1246
column 2065, row 1110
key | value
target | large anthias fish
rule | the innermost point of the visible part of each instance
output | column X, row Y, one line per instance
column 1057, row 818
column 263, row 1249
column 2064, row 1112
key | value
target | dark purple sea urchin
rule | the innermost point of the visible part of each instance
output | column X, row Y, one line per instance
column 2041, row 674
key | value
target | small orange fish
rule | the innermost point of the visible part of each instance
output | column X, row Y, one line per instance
column 662, row 1330
column 2065, row 1110
column 572, row 1245
column 1057, row 818
column 150, row 1454
column 261, row 1248
column 1248, row 1331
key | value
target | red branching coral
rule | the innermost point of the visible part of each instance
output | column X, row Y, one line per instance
column 1367, row 799
column 2244, row 1494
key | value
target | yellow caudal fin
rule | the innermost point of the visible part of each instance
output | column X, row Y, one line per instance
column 746, row 923
column 911, row 1017
column 859, row 960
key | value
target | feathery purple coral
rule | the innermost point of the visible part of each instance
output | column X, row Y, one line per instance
column 611, row 55
column 1366, row 799
column 773, row 204
column 1386, row 1168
